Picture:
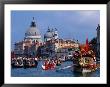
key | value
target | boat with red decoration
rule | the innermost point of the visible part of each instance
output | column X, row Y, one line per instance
column 85, row 60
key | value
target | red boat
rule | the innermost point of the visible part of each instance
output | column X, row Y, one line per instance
column 48, row 65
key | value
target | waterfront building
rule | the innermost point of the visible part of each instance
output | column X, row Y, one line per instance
column 55, row 47
column 33, row 46
column 51, row 34
column 29, row 45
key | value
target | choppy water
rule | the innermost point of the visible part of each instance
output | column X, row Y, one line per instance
column 39, row 72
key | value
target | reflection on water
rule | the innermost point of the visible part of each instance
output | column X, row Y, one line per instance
column 39, row 72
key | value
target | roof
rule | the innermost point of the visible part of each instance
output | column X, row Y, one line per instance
column 33, row 30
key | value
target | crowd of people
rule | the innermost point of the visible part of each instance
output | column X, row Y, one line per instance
column 23, row 62
column 51, row 63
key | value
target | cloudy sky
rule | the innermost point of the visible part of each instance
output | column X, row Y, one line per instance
column 71, row 24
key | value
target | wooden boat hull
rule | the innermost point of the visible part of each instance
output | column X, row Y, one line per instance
column 30, row 66
column 84, row 70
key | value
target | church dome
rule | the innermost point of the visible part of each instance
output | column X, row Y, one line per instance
column 49, row 34
column 32, row 31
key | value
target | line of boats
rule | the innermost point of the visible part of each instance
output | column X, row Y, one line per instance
column 23, row 62
column 82, row 62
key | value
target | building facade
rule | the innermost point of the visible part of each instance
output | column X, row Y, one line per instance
column 29, row 45
column 55, row 47
column 52, row 46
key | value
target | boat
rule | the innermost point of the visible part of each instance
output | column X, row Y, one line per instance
column 17, row 63
column 58, row 62
column 49, row 65
column 30, row 63
column 84, row 59
column 24, row 62
column 85, row 63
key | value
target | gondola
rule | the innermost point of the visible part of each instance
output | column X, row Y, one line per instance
column 24, row 63
column 17, row 63
column 30, row 64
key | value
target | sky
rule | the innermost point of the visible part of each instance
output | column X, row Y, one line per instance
column 71, row 24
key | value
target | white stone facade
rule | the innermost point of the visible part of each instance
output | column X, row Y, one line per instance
column 31, row 42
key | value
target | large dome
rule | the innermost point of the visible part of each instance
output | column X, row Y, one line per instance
column 33, row 30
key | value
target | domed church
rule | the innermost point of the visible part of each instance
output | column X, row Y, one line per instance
column 33, row 33
column 32, row 40
column 51, row 34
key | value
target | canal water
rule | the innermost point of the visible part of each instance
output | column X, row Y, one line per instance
column 61, row 71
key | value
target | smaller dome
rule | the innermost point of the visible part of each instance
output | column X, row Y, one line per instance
column 48, row 35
